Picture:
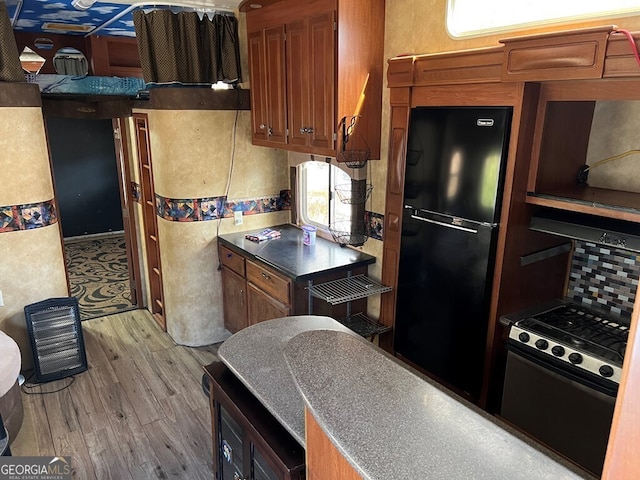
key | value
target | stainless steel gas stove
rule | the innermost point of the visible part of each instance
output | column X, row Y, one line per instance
column 584, row 339
column 564, row 365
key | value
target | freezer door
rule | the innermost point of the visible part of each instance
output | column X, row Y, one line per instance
column 455, row 161
column 443, row 298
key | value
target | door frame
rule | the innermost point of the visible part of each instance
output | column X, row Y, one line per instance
column 121, row 141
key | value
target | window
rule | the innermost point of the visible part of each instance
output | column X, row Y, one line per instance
column 467, row 18
column 319, row 204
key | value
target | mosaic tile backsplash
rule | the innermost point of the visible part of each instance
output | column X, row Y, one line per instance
column 604, row 277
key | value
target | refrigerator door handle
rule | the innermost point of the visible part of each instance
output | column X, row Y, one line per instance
column 442, row 224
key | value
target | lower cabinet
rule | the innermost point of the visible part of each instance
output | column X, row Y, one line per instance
column 263, row 307
column 234, row 299
column 251, row 293
column 248, row 443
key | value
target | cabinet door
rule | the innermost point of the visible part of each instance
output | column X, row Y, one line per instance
column 231, row 445
column 234, row 297
column 257, row 77
column 322, row 80
column 260, row 468
column 268, row 86
column 298, row 83
column 311, row 63
column 275, row 85
column 263, row 307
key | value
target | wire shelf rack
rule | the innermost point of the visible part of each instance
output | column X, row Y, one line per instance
column 347, row 289
column 363, row 325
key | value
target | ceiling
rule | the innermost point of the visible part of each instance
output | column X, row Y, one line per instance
column 115, row 18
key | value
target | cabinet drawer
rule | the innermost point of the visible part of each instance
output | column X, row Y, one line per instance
column 269, row 282
column 232, row 260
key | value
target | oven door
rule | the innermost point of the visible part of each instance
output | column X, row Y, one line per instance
column 567, row 415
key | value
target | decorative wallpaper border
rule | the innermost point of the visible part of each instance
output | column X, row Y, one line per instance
column 604, row 277
column 213, row 208
column 375, row 223
column 28, row 216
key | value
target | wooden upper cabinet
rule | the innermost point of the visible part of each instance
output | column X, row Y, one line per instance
column 267, row 75
column 311, row 82
column 298, row 82
column 322, row 80
column 331, row 70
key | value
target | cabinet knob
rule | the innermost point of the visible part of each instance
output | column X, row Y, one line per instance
column 262, row 126
column 303, row 130
column 265, row 276
column 309, row 130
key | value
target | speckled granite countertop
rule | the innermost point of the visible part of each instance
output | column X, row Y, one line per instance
column 390, row 423
column 292, row 258
column 255, row 356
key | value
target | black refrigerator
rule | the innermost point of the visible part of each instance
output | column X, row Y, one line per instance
column 454, row 177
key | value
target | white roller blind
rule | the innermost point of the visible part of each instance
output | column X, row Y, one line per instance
column 467, row 18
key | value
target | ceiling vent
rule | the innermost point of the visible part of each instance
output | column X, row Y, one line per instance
column 66, row 27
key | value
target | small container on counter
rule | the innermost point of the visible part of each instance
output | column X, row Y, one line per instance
column 308, row 235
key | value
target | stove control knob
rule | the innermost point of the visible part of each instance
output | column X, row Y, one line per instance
column 606, row 371
column 575, row 358
column 558, row 351
column 524, row 337
column 542, row 344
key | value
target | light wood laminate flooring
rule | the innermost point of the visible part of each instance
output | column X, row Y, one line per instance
column 139, row 412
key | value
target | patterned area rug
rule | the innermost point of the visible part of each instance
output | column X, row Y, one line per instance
column 98, row 275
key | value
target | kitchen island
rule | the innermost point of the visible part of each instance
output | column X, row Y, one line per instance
column 387, row 420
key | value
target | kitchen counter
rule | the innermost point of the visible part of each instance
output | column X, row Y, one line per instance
column 265, row 372
column 289, row 256
column 387, row 420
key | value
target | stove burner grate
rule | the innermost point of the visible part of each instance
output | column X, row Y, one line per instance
column 583, row 329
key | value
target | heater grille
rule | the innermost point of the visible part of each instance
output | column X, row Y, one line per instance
column 56, row 338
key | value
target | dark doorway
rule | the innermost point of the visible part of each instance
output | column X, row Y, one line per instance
column 86, row 169
column 86, row 176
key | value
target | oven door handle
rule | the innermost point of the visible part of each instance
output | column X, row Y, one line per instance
column 559, row 367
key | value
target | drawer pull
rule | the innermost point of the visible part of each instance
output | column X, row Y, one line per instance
column 229, row 255
column 265, row 276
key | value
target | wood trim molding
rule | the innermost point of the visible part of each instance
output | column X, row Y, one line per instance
column 104, row 107
column 19, row 95
column 588, row 53
column 622, row 460
column 324, row 460
column 195, row 98
column 578, row 54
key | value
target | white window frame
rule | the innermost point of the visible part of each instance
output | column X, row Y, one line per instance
column 302, row 199
column 474, row 18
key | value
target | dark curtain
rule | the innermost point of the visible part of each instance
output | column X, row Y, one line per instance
column 10, row 68
column 181, row 47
